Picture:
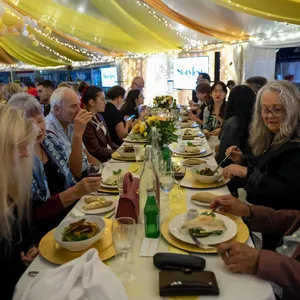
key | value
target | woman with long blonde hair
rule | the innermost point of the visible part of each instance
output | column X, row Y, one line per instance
column 17, row 136
column 272, row 175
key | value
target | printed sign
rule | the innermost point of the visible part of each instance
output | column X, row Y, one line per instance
column 109, row 76
column 186, row 71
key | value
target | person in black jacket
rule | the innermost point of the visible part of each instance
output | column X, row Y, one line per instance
column 134, row 99
column 17, row 136
column 238, row 115
column 272, row 173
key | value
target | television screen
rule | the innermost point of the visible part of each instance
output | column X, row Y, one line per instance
column 109, row 76
column 186, row 71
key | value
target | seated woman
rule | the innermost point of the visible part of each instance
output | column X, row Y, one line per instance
column 134, row 99
column 54, row 189
column 213, row 115
column 118, row 128
column 238, row 115
column 96, row 136
column 17, row 136
column 281, row 268
column 272, row 174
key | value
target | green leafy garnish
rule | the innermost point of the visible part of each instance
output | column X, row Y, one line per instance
column 117, row 172
column 190, row 144
column 207, row 213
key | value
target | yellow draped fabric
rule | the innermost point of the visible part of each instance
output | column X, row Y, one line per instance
column 117, row 35
column 22, row 52
column 160, row 6
column 5, row 58
column 278, row 10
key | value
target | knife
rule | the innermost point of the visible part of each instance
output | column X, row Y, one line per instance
column 200, row 244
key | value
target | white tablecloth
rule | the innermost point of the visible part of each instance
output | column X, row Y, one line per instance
column 232, row 286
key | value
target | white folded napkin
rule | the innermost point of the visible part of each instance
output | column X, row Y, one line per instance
column 84, row 278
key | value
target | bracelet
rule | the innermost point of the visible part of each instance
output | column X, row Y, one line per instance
column 247, row 219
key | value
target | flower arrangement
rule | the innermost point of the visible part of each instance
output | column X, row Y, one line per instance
column 165, row 127
column 163, row 101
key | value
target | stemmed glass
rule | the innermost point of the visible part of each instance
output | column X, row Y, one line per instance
column 178, row 173
column 166, row 183
column 123, row 233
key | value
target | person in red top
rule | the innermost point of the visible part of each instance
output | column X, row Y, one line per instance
column 32, row 90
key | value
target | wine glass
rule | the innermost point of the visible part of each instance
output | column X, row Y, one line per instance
column 166, row 183
column 123, row 233
column 178, row 173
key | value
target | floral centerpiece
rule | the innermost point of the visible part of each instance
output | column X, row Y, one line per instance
column 163, row 101
column 166, row 129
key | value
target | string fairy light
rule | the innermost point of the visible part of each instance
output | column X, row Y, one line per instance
column 167, row 24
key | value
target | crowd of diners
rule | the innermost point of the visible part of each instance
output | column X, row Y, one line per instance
column 50, row 136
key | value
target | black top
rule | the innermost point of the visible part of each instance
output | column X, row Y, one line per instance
column 273, row 178
column 130, row 111
column 10, row 261
column 54, row 178
column 113, row 117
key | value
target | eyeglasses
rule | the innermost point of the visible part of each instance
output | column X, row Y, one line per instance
column 218, row 91
column 275, row 111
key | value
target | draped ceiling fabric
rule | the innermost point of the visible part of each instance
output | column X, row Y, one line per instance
column 114, row 28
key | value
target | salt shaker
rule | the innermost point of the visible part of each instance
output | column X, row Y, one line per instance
column 192, row 214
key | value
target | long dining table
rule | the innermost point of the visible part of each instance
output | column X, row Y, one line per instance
column 232, row 286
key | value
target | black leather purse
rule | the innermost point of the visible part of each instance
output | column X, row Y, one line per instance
column 179, row 283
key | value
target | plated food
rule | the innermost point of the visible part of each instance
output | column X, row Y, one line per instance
column 194, row 161
column 111, row 181
column 202, row 173
column 128, row 149
column 96, row 202
column 205, row 197
column 204, row 225
column 92, row 205
column 211, row 228
column 80, row 231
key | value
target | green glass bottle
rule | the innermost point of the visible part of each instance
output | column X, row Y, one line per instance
column 151, row 216
column 174, row 104
column 167, row 158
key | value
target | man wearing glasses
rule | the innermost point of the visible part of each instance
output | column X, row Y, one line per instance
column 138, row 83
column 45, row 90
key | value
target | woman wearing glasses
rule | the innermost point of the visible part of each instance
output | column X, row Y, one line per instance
column 96, row 136
column 134, row 99
column 272, row 173
column 214, row 113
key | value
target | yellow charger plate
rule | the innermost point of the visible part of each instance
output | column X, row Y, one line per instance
column 52, row 252
column 208, row 153
column 241, row 236
column 191, row 182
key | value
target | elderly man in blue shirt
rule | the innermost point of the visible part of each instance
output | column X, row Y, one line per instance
column 67, row 122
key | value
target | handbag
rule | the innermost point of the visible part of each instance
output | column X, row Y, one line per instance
column 129, row 202
column 179, row 283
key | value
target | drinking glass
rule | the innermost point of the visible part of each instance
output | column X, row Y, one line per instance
column 166, row 183
column 178, row 172
column 94, row 170
column 139, row 152
column 120, row 180
column 123, row 233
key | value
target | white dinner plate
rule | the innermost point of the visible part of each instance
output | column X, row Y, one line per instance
column 174, row 147
column 81, row 203
column 109, row 186
column 183, row 235
column 201, row 203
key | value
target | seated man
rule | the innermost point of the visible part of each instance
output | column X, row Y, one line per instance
column 67, row 122
column 256, row 83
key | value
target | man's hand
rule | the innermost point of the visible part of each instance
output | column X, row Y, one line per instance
column 81, row 120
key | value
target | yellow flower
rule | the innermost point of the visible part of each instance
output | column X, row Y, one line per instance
column 136, row 127
column 142, row 128
column 152, row 119
column 145, row 133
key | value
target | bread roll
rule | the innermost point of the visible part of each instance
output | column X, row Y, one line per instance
column 204, row 197
column 97, row 204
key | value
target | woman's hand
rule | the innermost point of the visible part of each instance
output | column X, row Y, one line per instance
column 129, row 123
column 86, row 185
column 231, row 205
column 239, row 257
column 220, row 120
column 235, row 170
column 193, row 117
column 30, row 255
column 235, row 154
column 215, row 132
